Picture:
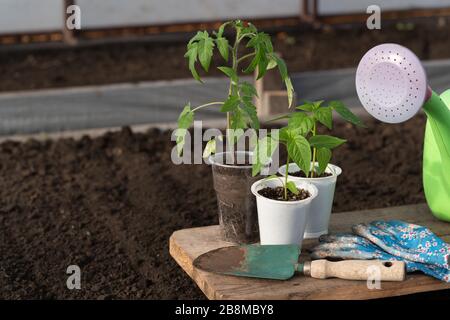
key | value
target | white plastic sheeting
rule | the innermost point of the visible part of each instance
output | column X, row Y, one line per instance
column 332, row 7
column 18, row 16
column 102, row 13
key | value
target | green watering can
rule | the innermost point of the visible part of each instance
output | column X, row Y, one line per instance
column 392, row 86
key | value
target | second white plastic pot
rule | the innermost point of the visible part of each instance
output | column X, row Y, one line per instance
column 321, row 206
column 282, row 222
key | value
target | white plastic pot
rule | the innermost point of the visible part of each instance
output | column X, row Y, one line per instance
column 319, row 218
column 282, row 222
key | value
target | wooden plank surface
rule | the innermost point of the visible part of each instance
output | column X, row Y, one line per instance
column 187, row 244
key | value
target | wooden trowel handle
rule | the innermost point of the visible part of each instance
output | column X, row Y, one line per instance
column 356, row 270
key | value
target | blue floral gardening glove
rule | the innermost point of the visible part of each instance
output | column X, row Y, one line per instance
column 417, row 246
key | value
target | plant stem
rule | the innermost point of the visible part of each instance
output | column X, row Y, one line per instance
column 314, row 153
column 286, row 116
column 313, row 162
column 246, row 34
column 207, row 105
column 235, row 62
column 246, row 56
column 286, row 179
column 230, row 91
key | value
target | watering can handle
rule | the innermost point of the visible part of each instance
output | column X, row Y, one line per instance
column 439, row 116
column 356, row 270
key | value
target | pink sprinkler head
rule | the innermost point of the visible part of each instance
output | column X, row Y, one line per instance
column 391, row 83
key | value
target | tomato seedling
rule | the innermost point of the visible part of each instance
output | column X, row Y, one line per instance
column 239, row 108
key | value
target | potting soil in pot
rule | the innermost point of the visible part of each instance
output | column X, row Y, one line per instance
column 278, row 194
column 236, row 205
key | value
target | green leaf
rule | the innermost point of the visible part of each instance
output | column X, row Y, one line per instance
column 260, row 60
column 200, row 47
column 317, row 104
column 263, row 152
column 284, row 76
column 324, row 141
column 191, row 54
column 223, row 46
column 230, row 73
column 345, row 113
column 222, row 29
column 184, row 122
column 248, row 90
column 253, row 64
column 307, row 106
column 323, row 158
column 261, row 40
column 210, row 148
column 267, row 41
column 299, row 151
column 231, row 104
column 254, row 42
column 273, row 176
column 284, row 134
column 263, row 47
column 272, row 63
column 302, row 122
column 290, row 91
column 290, row 185
column 281, row 66
column 262, row 67
column 186, row 117
column 195, row 38
column 205, row 50
column 238, row 120
column 250, row 109
column 256, row 61
column 180, row 135
column 325, row 116
column 256, row 168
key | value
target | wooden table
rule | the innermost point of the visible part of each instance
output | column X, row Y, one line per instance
column 187, row 244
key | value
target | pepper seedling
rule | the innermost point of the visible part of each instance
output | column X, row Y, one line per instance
column 238, row 106
column 304, row 146
column 298, row 148
column 313, row 113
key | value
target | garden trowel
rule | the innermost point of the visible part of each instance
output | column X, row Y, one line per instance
column 280, row 262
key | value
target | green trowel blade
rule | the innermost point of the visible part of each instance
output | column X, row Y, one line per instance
column 257, row 261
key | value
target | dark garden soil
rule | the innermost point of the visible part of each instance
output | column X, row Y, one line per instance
column 278, row 194
column 110, row 204
column 305, row 49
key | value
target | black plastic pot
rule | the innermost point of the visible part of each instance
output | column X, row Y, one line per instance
column 237, row 206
